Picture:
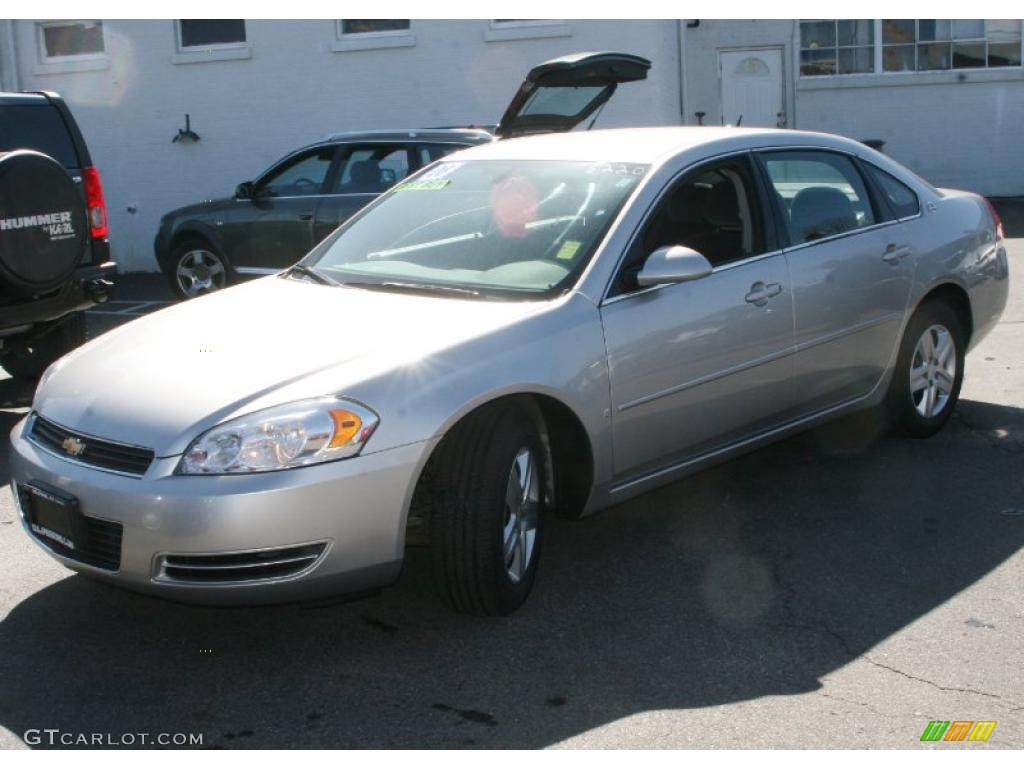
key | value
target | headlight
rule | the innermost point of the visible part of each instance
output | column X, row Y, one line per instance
column 292, row 435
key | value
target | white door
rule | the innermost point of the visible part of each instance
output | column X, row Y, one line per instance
column 752, row 87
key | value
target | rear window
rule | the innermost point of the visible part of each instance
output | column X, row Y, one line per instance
column 38, row 127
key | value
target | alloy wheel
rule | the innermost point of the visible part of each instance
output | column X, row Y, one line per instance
column 200, row 271
column 933, row 371
column 522, row 511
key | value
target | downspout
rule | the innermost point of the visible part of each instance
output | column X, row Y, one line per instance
column 9, row 66
column 681, row 45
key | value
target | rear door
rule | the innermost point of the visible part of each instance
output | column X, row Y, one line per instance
column 560, row 94
column 851, row 266
column 364, row 172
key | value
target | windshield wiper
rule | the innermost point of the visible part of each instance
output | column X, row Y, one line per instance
column 391, row 285
column 310, row 272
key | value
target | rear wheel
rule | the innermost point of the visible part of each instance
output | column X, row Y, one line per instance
column 487, row 526
column 196, row 268
column 929, row 371
column 28, row 359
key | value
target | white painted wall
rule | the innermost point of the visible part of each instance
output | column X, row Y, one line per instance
column 956, row 129
column 295, row 89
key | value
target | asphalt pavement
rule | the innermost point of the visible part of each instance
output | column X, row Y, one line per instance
column 839, row 589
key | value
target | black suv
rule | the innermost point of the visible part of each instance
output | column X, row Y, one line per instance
column 54, row 251
column 274, row 221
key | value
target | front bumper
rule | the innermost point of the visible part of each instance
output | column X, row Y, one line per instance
column 355, row 509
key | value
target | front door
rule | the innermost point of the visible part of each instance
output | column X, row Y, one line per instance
column 752, row 87
column 274, row 229
column 700, row 365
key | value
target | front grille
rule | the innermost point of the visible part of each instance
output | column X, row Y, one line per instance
column 104, row 454
column 240, row 566
column 101, row 547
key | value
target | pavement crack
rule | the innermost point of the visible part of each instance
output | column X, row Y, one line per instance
column 926, row 681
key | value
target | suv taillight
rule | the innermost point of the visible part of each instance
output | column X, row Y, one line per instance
column 1000, row 232
column 95, row 203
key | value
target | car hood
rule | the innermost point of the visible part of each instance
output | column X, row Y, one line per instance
column 162, row 379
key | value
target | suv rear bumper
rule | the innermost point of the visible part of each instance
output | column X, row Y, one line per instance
column 88, row 286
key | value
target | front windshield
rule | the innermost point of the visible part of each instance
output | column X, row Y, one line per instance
column 491, row 227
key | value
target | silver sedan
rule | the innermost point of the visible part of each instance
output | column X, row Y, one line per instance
column 536, row 326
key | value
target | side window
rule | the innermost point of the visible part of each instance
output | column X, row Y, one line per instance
column 303, row 175
column 714, row 210
column 371, row 170
column 428, row 153
column 821, row 193
column 901, row 198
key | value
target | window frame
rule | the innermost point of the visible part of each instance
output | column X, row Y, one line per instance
column 210, row 52
column 46, row 59
column 884, row 217
column 293, row 159
column 868, row 170
column 769, row 223
column 879, row 45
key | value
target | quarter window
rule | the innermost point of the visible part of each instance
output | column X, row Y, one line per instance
column 901, row 198
column 211, row 33
column 302, row 176
column 821, row 194
column 71, row 40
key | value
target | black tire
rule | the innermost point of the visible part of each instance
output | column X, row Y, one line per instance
column 28, row 360
column 470, row 515
column 903, row 404
column 182, row 249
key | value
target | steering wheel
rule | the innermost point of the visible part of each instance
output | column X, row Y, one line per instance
column 305, row 182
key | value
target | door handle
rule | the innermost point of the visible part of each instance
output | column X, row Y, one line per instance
column 305, row 216
column 894, row 254
column 760, row 293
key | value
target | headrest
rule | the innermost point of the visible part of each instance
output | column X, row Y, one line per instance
column 818, row 212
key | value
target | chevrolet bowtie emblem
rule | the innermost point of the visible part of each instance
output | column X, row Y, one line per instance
column 73, row 446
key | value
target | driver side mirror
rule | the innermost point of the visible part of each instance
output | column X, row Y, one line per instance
column 673, row 264
column 244, row 191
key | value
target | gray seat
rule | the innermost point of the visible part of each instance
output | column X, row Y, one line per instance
column 818, row 212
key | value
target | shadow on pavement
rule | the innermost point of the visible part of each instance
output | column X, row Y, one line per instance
column 754, row 578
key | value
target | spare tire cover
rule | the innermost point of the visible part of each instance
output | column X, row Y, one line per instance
column 42, row 223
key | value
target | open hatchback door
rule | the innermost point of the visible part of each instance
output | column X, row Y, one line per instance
column 560, row 94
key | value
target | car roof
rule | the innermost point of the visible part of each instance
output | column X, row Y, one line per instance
column 22, row 98
column 460, row 135
column 645, row 145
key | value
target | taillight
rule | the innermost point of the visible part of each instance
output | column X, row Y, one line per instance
column 1000, row 232
column 95, row 203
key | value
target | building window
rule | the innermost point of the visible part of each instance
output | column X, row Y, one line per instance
column 209, row 34
column 71, row 40
column 846, row 47
column 837, row 47
column 348, row 27
column 524, row 29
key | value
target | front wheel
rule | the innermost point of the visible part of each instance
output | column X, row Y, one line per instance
column 196, row 269
column 929, row 370
column 487, row 526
